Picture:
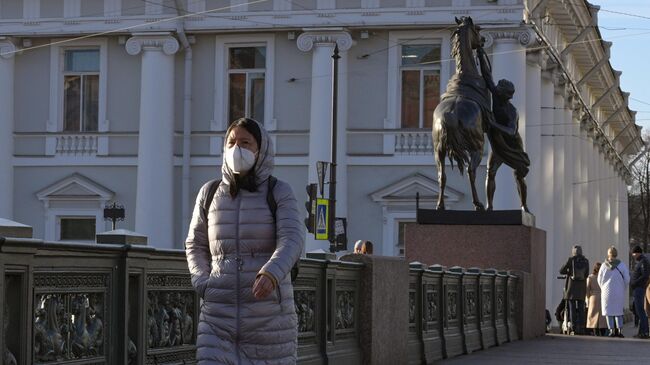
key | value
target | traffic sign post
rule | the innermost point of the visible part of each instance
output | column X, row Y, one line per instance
column 322, row 219
column 321, row 168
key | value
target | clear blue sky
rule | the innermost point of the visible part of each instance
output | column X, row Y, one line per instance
column 630, row 36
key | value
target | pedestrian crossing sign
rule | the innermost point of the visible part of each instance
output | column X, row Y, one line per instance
column 322, row 207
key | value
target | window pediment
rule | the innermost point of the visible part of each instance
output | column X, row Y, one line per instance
column 76, row 187
column 404, row 191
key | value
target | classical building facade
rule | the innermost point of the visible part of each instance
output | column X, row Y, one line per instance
column 128, row 100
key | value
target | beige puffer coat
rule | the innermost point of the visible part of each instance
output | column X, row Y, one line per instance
column 242, row 240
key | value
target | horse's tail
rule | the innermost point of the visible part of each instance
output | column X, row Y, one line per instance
column 453, row 141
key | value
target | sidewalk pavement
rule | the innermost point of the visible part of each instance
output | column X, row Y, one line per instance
column 563, row 349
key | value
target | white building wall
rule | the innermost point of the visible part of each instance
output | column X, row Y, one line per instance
column 568, row 187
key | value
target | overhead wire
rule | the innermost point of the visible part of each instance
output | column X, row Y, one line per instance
column 207, row 14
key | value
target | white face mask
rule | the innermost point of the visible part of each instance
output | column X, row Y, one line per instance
column 240, row 160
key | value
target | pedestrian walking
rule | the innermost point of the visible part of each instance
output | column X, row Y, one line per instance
column 595, row 320
column 576, row 270
column 613, row 278
column 638, row 283
column 245, row 235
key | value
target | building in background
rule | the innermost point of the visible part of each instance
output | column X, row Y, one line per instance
column 128, row 100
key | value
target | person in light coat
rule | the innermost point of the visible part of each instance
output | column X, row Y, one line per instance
column 613, row 278
column 595, row 319
column 240, row 257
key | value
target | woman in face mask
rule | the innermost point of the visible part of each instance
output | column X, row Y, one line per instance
column 240, row 251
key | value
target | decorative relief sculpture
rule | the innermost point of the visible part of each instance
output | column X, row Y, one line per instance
column 500, row 302
column 9, row 358
column 470, row 304
column 486, row 306
column 411, row 307
column 169, row 318
column 432, row 304
column 305, row 304
column 452, row 305
column 344, row 309
column 68, row 326
column 512, row 307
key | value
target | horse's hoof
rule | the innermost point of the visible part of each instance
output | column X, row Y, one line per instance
column 525, row 209
column 479, row 207
column 489, row 208
column 440, row 207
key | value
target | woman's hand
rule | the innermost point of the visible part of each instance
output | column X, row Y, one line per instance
column 262, row 287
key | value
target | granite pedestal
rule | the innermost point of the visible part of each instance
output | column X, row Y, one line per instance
column 505, row 240
column 384, row 308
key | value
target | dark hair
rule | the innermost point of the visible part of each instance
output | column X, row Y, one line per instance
column 250, row 125
column 596, row 268
column 637, row 249
column 367, row 247
column 248, row 181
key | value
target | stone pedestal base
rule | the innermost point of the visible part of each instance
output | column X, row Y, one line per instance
column 384, row 308
column 519, row 248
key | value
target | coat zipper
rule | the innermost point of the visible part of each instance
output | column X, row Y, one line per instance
column 237, row 287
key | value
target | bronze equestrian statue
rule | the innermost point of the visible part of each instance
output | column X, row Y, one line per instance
column 464, row 115
column 458, row 127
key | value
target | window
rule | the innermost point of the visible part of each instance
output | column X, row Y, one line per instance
column 401, row 225
column 246, row 82
column 243, row 82
column 420, row 84
column 77, row 229
column 81, row 90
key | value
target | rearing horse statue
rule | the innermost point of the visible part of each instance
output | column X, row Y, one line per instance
column 458, row 120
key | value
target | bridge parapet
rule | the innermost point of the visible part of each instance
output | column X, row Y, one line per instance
column 132, row 304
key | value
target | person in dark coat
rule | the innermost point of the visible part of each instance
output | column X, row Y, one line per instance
column 638, row 283
column 576, row 270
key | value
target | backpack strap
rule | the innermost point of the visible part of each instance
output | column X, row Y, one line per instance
column 212, row 189
column 270, row 198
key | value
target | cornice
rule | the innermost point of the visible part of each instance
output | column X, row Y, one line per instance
column 524, row 36
column 313, row 37
column 159, row 41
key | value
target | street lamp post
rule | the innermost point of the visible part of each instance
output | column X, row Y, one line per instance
column 114, row 213
column 332, row 192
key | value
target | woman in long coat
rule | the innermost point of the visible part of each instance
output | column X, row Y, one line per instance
column 240, row 255
column 595, row 319
column 613, row 278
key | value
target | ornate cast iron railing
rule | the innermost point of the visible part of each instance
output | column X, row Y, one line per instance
column 457, row 311
column 122, row 304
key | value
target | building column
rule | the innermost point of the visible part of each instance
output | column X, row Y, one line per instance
column 569, row 168
column 583, row 186
column 509, row 62
column 594, row 181
column 560, row 240
column 7, row 52
column 578, row 232
column 544, row 218
column 624, row 239
column 602, row 188
column 154, row 207
column 321, row 43
column 591, row 192
column 533, row 137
